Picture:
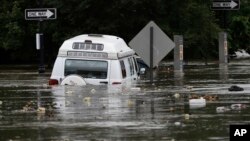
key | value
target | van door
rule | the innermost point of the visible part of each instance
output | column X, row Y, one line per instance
column 124, row 71
column 136, row 67
column 132, row 67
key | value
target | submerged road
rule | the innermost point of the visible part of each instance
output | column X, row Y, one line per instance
column 32, row 110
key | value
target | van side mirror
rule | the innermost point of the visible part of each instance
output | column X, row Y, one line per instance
column 142, row 70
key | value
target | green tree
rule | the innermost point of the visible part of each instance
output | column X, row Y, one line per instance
column 239, row 28
column 195, row 20
column 125, row 18
column 15, row 37
column 201, row 31
column 11, row 30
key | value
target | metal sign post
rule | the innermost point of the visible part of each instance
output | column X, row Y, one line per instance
column 223, row 48
column 224, row 5
column 41, row 68
column 178, row 53
column 40, row 14
column 151, row 53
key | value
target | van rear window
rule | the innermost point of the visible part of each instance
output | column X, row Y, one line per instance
column 87, row 68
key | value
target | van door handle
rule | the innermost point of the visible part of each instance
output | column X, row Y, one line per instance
column 104, row 82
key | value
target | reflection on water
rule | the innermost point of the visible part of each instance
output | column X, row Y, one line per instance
column 223, row 68
column 32, row 110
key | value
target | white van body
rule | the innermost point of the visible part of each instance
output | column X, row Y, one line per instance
column 98, row 59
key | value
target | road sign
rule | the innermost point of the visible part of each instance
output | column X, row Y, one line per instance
column 162, row 44
column 40, row 14
column 225, row 5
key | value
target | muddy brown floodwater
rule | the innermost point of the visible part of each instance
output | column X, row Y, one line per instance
column 31, row 110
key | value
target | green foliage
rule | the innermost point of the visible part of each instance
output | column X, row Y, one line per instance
column 201, row 31
column 240, row 32
column 239, row 28
column 125, row 18
column 11, row 30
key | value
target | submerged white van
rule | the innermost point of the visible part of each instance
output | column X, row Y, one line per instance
column 94, row 59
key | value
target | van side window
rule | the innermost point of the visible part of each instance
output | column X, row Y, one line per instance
column 136, row 65
column 131, row 66
column 124, row 74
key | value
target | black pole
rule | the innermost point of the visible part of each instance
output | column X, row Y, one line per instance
column 41, row 64
column 151, row 53
column 41, row 68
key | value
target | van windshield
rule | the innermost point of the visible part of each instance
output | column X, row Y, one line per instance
column 87, row 68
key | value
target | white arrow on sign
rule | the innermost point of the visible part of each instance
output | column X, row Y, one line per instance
column 47, row 14
column 231, row 4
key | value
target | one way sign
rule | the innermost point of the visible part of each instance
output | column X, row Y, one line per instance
column 225, row 5
column 40, row 14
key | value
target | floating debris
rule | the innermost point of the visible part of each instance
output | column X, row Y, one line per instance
column 93, row 91
column 45, row 85
column 193, row 96
column 235, row 107
column 99, row 118
column 235, row 88
column 41, row 110
column 189, row 87
column 55, row 105
column 177, row 123
column 67, row 103
column 176, row 95
column 187, row 116
column 136, row 89
column 87, row 99
column 238, row 106
column 241, row 54
column 104, row 106
column 69, row 93
column 210, row 97
column 29, row 107
column 197, row 103
column 222, row 109
column 139, row 102
column 206, row 97
column 130, row 103
column 171, row 109
column 196, row 106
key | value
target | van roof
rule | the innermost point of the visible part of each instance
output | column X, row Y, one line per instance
column 111, row 45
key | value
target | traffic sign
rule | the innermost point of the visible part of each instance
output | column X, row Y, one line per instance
column 225, row 5
column 162, row 44
column 40, row 14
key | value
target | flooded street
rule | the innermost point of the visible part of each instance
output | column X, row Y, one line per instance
column 32, row 110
